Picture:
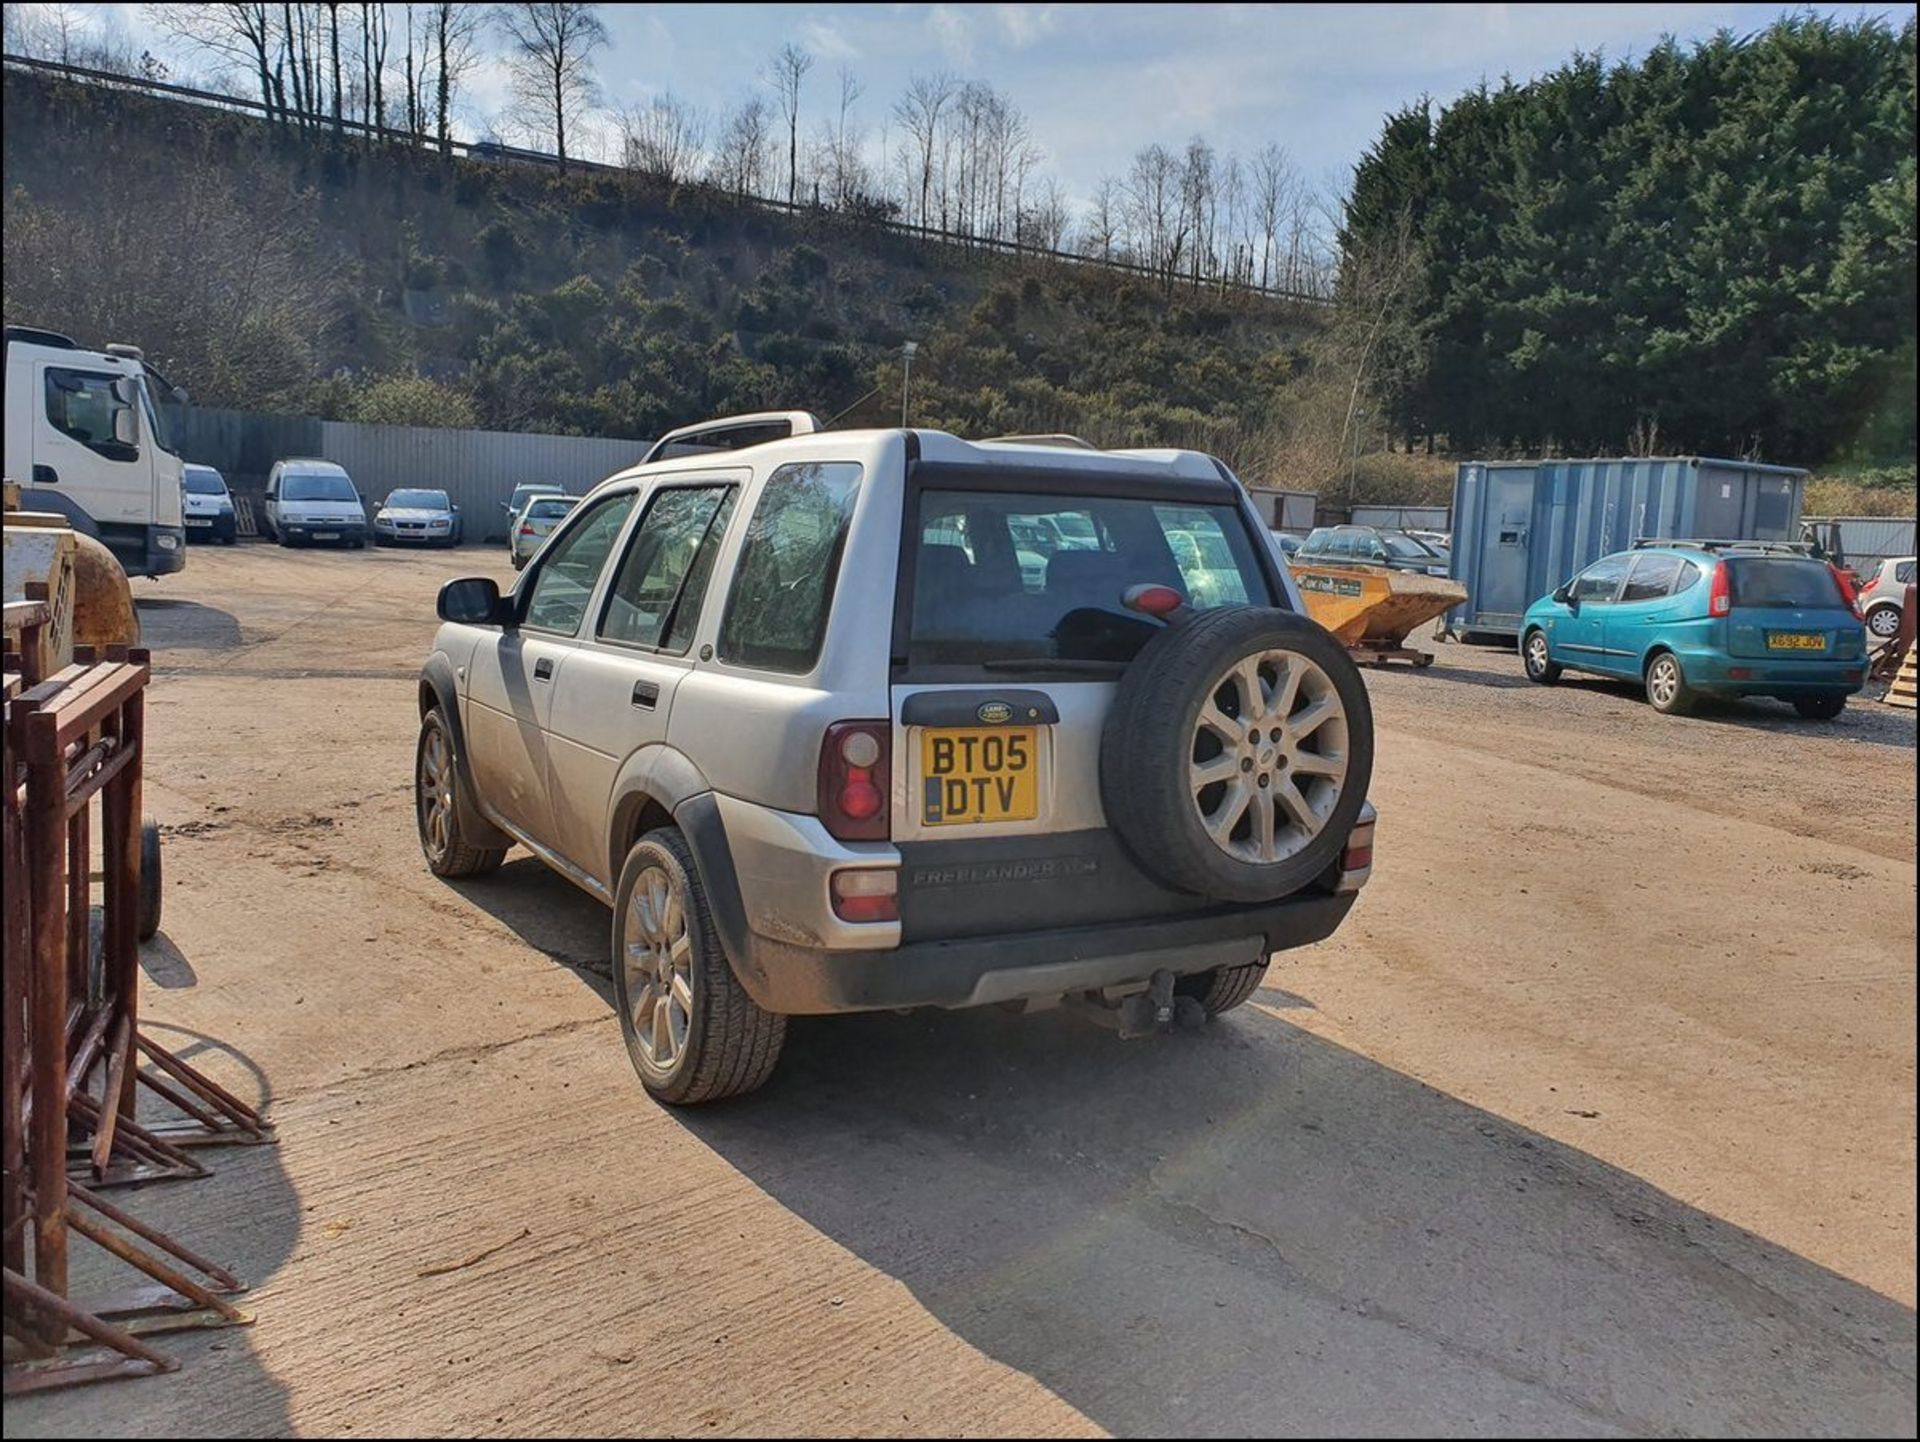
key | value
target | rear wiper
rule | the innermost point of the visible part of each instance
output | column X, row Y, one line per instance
column 1065, row 664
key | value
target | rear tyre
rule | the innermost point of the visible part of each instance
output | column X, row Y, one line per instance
column 1538, row 656
column 436, row 806
column 1667, row 688
column 1236, row 754
column 150, row 895
column 692, row 1032
column 1820, row 708
column 1223, row 988
column 1883, row 622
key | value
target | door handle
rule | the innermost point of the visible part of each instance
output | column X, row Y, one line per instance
column 45, row 476
column 646, row 695
column 543, row 669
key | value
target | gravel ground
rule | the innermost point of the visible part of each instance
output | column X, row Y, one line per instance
column 1596, row 1118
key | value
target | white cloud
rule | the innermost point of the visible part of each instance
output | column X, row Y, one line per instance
column 1023, row 25
column 952, row 31
column 825, row 40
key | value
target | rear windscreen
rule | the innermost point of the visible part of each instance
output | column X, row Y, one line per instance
column 1782, row 582
column 1004, row 577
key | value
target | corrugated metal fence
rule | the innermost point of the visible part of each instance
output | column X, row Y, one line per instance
column 1402, row 518
column 1869, row 540
column 478, row 469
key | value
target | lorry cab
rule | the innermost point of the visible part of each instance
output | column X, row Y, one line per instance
column 85, row 439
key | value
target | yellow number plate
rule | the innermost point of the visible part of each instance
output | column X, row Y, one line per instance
column 970, row 775
column 1795, row 641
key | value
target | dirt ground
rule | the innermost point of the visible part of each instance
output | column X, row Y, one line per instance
column 1596, row 1118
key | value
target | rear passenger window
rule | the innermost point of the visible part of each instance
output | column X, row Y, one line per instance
column 789, row 562
column 1903, row 573
column 656, row 596
column 1652, row 578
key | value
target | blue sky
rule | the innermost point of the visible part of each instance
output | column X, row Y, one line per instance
column 1099, row 81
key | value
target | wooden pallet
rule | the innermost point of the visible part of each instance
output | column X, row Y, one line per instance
column 1901, row 692
column 243, row 521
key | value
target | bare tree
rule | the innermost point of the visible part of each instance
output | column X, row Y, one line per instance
column 550, row 58
column 1273, row 186
column 663, row 139
column 231, row 36
column 1051, row 216
column 785, row 72
column 919, row 112
column 1156, row 218
column 1104, row 219
column 333, row 24
column 740, row 153
column 454, row 36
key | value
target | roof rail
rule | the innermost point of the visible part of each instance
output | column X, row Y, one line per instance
column 1057, row 438
column 1783, row 548
column 733, row 433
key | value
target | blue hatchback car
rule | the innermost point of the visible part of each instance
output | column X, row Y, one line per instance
column 1687, row 620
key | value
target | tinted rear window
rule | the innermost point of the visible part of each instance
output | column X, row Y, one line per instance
column 550, row 510
column 1004, row 577
column 1771, row 582
column 783, row 583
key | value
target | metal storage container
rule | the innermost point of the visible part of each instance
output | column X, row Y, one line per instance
column 1520, row 528
column 1290, row 511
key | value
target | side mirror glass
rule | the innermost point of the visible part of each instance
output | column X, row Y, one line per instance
column 472, row 601
column 123, row 391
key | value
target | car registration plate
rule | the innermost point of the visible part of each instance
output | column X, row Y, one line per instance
column 1796, row 641
column 326, row 535
column 971, row 775
column 191, row 521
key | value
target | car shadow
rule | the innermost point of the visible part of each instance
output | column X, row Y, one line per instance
column 1863, row 720
column 1257, row 1232
column 1473, row 676
column 550, row 914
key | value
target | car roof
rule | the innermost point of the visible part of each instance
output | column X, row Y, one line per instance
column 312, row 464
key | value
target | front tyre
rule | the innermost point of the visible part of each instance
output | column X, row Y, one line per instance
column 1883, row 622
column 1538, row 656
column 1667, row 688
column 692, row 1032
column 436, row 782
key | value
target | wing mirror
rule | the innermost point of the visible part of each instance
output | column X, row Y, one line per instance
column 474, row 601
column 125, row 429
column 1564, row 594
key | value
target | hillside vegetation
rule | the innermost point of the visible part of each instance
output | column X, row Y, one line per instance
column 296, row 272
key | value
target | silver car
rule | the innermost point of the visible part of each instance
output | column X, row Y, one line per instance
column 1884, row 596
column 420, row 517
column 802, row 715
column 534, row 524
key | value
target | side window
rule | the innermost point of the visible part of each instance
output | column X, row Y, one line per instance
column 572, row 564
column 1369, row 548
column 656, row 595
column 82, row 405
column 1652, row 578
column 1209, row 572
column 1600, row 580
column 1903, row 573
column 789, row 562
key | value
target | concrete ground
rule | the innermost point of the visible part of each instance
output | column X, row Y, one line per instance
column 1596, row 1118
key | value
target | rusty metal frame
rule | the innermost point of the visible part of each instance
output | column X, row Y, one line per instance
column 74, row 745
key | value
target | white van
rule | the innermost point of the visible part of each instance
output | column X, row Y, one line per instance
column 309, row 500
column 84, row 438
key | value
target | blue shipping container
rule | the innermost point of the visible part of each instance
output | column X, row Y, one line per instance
column 1520, row 528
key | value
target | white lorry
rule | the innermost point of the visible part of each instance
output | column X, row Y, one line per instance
column 85, row 438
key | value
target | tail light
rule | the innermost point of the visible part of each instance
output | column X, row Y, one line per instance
column 1356, row 858
column 526, row 530
column 1720, row 593
column 855, row 780
column 867, row 894
column 1849, row 587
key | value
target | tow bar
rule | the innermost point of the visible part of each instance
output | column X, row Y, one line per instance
column 1154, row 1010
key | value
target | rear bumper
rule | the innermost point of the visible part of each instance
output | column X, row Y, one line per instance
column 1719, row 674
column 799, row 980
column 765, row 870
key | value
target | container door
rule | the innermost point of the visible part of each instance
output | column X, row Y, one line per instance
column 1503, row 572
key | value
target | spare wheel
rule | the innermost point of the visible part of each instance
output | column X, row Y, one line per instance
column 1237, row 753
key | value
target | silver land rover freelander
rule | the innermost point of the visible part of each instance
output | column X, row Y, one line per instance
column 884, row 719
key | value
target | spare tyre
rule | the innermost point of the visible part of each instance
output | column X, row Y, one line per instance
column 1237, row 753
